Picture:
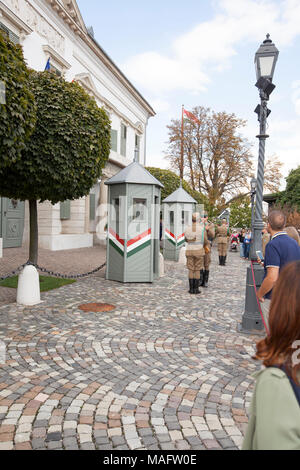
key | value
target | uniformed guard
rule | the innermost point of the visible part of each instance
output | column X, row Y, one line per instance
column 210, row 230
column 223, row 234
column 197, row 243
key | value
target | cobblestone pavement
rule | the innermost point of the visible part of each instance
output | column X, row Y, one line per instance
column 164, row 370
column 65, row 262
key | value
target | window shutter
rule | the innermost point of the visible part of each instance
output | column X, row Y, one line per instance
column 65, row 210
column 114, row 140
column 12, row 36
column 123, row 139
column 92, row 206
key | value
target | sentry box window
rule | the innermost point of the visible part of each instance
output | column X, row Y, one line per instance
column 139, row 210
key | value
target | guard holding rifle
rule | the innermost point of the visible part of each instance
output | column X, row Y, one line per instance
column 223, row 234
column 197, row 245
column 210, row 230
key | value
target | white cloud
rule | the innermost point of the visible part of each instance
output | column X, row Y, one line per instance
column 208, row 47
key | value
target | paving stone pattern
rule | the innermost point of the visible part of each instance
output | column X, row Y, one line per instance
column 164, row 370
column 78, row 261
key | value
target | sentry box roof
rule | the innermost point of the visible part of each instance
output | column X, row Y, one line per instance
column 180, row 195
column 134, row 173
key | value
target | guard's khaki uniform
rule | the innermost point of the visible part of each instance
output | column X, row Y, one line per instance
column 210, row 230
column 196, row 238
column 222, row 239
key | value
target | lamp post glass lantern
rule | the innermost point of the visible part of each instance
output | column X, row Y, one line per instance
column 265, row 62
column 265, row 59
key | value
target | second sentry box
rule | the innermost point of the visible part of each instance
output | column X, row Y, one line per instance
column 178, row 209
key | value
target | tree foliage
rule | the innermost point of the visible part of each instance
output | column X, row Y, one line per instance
column 171, row 182
column 240, row 213
column 18, row 114
column 217, row 159
column 69, row 146
column 273, row 174
column 291, row 195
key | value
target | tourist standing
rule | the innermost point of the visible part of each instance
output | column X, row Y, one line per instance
column 275, row 412
column 241, row 239
column 280, row 250
column 247, row 243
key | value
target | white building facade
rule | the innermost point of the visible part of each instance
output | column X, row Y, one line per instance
column 55, row 29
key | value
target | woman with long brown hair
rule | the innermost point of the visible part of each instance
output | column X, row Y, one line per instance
column 275, row 409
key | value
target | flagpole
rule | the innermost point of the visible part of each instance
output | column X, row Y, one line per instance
column 181, row 159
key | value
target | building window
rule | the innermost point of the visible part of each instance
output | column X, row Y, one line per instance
column 114, row 140
column 185, row 218
column 139, row 210
column 171, row 221
column 12, row 36
column 115, row 215
column 123, row 139
column 55, row 70
column 137, row 146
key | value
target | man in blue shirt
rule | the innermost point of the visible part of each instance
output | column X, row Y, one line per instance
column 280, row 250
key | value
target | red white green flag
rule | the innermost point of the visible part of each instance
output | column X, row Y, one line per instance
column 191, row 116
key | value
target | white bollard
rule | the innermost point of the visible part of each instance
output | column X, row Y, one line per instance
column 28, row 293
column 161, row 265
column 182, row 257
column 1, row 247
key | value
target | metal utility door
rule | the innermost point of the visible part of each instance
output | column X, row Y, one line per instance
column 12, row 222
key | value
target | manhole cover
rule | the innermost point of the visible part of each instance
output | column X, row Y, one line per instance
column 96, row 307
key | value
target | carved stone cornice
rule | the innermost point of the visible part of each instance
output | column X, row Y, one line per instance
column 22, row 27
column 35, row 21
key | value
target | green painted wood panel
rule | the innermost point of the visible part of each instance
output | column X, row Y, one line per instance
column 114, row 140
column 65, row 210
column 92, row 206
column 12, row 222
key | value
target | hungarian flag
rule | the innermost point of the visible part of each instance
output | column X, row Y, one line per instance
column 191, row 116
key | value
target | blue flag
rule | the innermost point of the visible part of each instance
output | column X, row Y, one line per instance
column 48, row 65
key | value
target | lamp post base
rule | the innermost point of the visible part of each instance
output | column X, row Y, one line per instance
column 252, row 321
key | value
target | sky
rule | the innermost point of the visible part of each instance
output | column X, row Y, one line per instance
column 201, row 53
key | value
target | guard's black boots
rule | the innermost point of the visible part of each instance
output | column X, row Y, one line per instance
column 224, row 260
column 220, row 261
column 201, row 277
column 196, row 286
column 205, row 279
column 191, row 281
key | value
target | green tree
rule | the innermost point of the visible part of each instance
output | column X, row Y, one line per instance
column 291, row 195
column 171, row 182
column 66, row 153
column 18, row 114
column 240, row 213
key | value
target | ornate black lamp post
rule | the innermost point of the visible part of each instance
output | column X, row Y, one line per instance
column 265, row 62
column 253, row 184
